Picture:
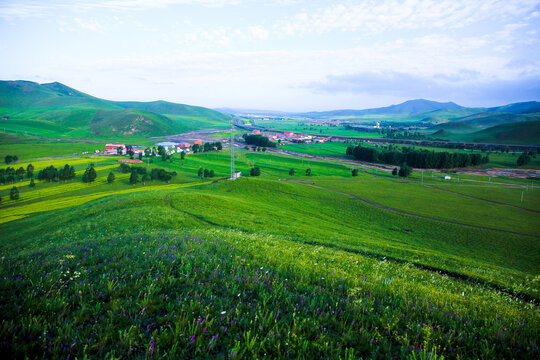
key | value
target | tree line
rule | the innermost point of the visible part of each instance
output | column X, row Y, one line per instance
column 423, row 159
column 258, row 140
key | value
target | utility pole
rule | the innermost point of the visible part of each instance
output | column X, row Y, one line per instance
column 522, row 196
column 232, row 149
column 422, row 177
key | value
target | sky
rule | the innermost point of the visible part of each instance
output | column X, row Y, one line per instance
column 289, row 55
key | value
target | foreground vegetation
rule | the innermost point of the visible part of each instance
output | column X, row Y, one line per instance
column 262, row 266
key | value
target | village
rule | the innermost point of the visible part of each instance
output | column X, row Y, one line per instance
column 288, row 137
column 174, row 147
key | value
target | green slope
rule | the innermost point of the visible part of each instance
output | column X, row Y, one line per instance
column 525, row 132
column 165, row 107
column 56, row 110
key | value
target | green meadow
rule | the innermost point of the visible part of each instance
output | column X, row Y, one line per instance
column 277, row 266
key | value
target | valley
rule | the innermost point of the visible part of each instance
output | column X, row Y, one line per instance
column 315, row 255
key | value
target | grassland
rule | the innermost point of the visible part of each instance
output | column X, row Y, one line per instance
column 265, row 267
column 337, row 149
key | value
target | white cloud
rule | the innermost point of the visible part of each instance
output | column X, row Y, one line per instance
column 88, row 24
column 258, row 32
column 378, row 16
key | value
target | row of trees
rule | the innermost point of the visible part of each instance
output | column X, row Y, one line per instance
column 209, row 146
column 258, row 140
column 48, row 174
column 51, row 173
column 417, row 158
column 205, row 173
column 256, row 148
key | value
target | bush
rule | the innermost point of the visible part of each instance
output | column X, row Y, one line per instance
column 14, row 193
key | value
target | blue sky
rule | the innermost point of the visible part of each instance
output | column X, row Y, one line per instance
column 280, row 55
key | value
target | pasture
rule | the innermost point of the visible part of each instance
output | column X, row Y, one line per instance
column 268, row 266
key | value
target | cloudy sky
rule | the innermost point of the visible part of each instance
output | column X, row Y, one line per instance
column 293, row 55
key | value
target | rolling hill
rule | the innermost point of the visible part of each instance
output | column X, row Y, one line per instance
column 57, row 110
column 524, row 132
column 410, row 107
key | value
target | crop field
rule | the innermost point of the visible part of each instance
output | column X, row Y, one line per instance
column 509, row 195
column 337, row 149
column 29, row 150
column 278, row 266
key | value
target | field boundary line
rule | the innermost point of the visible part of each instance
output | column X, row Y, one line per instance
column 478, row 198
column 412, row 214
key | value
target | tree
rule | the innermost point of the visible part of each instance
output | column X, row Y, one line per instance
column 255, row 171
column 30, row 171
column 219, row 146
column 308, row 172
column 523, row 159
column 354, row 172
column 110, row 178
column 8, row 159
column 182, row 155
column 14, row 193
column 405, row 170
column 145, row 178
column 211, row 174
column 32, row 183
column 89, row 175
column 196, row 148
column 200, row 173
column 20, row 173
column 119, row 150
column 140, row 156
column 206, row 173
column 395, row 171
column 291, row 172
column 133, row 178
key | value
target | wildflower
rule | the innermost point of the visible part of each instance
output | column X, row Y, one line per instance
column 152, row 343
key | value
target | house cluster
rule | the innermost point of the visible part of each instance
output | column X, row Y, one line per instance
column 178, row 147
column 112, row 149
column 289, row 137
column 170, row 148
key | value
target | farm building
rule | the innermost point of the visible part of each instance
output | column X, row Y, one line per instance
column 129, row 161
column 447, row 177
column 167, row 144
column 113, row 148
column 184, row 145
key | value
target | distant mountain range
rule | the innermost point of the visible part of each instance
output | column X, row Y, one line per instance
column 416, row 107
column 55, row 109
column 410, row 107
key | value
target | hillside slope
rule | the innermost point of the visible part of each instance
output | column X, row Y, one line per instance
column 57, row 110
column 525, row 132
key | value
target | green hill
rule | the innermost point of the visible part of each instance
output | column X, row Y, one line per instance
column 524, row 132
column 519, row 108
column 409, row 107
column 57, row 110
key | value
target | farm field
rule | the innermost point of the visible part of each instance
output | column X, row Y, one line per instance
column 266, row 266
column 337, row 149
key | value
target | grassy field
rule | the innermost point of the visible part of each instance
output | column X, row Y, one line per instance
column 265, row 267
column 337, row 149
